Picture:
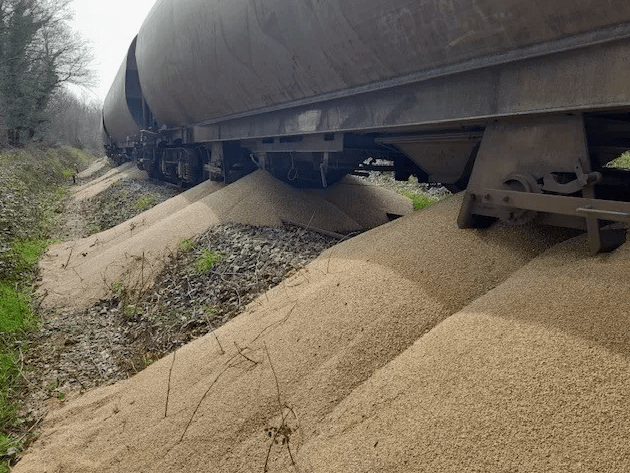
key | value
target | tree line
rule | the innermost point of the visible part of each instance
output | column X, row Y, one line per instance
column 39, row 54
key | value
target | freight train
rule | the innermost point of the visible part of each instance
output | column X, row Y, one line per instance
column 523, row 104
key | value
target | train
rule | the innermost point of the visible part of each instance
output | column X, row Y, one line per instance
column 521, row 105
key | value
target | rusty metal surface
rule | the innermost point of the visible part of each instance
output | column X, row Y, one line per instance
column 203, row 60
column 117, row 118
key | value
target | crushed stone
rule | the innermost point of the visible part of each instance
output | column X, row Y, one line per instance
column 79, row 349
column 79, row 274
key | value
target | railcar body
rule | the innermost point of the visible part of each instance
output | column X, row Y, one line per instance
column 121, row 121
column 504, row 97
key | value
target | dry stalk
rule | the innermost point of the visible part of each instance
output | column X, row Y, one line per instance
column 283, row 430
column 227, row 367
column 168, row 390
column 280, row 322
column 65, row 266
column 75, row 272
column 240, row 352
column 330, row 250
column 213, row 332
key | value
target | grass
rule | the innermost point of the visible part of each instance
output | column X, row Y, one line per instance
column 415, row 191
column 33, row 184
column 15, row 310
column 622, row 161
column 186, row 245
column 420, row 200
column 145, row 202
column 206, row 260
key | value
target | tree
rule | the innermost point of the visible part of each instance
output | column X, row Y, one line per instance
column 76, row 121
column 38, row 54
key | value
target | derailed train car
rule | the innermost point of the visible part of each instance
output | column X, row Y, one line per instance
column 521, row 103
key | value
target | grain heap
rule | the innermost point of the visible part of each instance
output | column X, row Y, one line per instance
column 93, row 168
column 302, row 358
column 534, row 377
column 366, row 203
column 77, row 274
column 96, row 186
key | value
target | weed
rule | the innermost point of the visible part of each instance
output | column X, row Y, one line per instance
column 186, row 245
column 93, row 228
column 67, row 174
column 117, row 288
column 145, row 202
column 622, row 161
column 209, row 310
column 9, row 447
column 206, row 260
column 132, row 309
column 419, row 199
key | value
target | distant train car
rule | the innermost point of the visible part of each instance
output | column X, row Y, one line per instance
column 121, row 121
column 522, row 103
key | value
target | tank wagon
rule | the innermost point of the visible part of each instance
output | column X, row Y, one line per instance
column 520, row 103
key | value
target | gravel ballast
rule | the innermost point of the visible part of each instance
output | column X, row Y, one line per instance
column 79, row 349
column 133, row 253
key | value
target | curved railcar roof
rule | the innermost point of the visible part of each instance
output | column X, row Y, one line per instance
column 205, row 59
column 118, row 120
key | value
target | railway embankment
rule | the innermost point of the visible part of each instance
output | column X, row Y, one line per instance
column 412, row 346
column 415, row 345
column 32, row 186
column 78, row 348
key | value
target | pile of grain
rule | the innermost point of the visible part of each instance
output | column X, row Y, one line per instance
column 289, row 365
column 366, row 203
column 97, row 186
column 93, row 168
column 532, row 377
column 77, row 274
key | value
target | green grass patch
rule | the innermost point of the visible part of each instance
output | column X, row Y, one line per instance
column 15, row 312
column 145, row 202
column 419, row 199
column 29, row 251
column 206, row 260
column 9, row 373
column 622, row 161
column 186, row 245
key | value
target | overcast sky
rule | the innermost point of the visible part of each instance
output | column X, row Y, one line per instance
column 110, row 26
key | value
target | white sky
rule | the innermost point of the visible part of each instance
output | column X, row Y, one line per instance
column 109, row 26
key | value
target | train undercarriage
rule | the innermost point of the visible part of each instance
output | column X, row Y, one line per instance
column 556, row 173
